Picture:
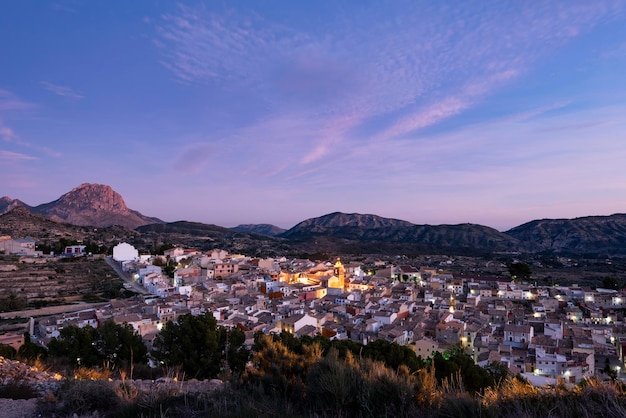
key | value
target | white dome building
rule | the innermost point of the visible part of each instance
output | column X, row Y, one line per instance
column 125, row 252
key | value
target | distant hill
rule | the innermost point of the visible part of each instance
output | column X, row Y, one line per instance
column 591, row 234
column 205, row 237
column 262, row 229
column 186, row 228
column 372, row 228
column 7, row 204
column 21, row 222
column 88, row 205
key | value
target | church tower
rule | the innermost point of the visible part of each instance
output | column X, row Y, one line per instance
column 340, row 273
column 336, row 283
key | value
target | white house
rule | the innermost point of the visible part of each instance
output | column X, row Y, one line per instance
column 517, row 334
column 293, row 323
column 75, row 250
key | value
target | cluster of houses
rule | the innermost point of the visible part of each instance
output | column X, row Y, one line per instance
column 546, row 334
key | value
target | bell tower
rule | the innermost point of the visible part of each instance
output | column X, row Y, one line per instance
column 340, row 273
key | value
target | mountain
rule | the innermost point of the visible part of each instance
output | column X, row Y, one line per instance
column 373, row 228
column 21, row 222
column 94, row 205
column 7, row 204
column 261, row 229
column 590, row 234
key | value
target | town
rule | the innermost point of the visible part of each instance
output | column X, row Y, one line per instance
column 547, row 334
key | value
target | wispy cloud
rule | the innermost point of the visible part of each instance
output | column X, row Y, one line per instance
column 7, row 133
column 200, row 46
column 394, row 68
column 9, row 102
column 15, row 156
column 193, row 158
column 62, row 91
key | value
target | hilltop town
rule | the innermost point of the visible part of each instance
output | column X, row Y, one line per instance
column 544, row 333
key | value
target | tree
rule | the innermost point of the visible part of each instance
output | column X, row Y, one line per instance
column 280, row 371
column 30, row 351
column 521, row 271
column 75, row 344
column 190, row 342
column 119, row 344
column 13, row 302
column 474, row 377
column 235, row 353
column 498, row 371
column 610, row 283
column 92, row 248
column 110, row 343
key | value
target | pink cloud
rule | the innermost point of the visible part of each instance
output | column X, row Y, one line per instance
column 193, row 158
column 9, row 101
column 15, row 156
column 6, row 133
column 9, row 135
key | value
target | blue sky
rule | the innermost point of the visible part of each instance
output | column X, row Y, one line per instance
column 223, row 112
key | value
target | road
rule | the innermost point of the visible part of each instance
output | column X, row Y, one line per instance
column 51, row 310
column 136, row 287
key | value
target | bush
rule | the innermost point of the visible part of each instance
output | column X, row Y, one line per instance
column 7, row 351
column 87, row 396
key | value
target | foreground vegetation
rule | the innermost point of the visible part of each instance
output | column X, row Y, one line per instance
column 282, row 383
column 287, row 376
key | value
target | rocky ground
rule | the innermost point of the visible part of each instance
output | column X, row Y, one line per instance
column 20, row 380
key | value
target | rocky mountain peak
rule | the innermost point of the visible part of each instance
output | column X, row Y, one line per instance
column 94, row 196
column 94, row 205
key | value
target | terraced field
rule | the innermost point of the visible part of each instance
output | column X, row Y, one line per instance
column 35, row 282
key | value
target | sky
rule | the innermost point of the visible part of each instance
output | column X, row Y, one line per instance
column 231, row 112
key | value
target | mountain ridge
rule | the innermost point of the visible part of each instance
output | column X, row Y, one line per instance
column 100, row 206
column 374, row 228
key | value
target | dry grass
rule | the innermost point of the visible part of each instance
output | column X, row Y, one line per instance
column 335, row 387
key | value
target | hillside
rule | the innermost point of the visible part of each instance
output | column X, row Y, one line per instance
column 261, row 229
column 372, row 228
column 591, row 234
column 7, row 204
column 21, row 223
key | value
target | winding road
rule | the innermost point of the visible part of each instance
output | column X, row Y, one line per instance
column 124, row 276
